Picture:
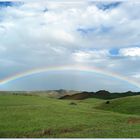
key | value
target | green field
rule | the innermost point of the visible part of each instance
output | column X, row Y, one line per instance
column 41, row 116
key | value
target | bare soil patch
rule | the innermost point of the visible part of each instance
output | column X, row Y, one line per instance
column 133, row 120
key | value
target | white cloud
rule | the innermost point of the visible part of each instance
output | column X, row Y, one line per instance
column 35, row 38
column 89, row 56
column 136, row 76
column 130, row 51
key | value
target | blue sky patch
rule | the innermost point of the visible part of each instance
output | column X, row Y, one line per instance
column 4, row 4
column 100, row 30
column 105, row 29
column 86, row 30
column 114, row 51
column 107, row 5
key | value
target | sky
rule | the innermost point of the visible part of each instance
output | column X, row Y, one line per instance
column 51, row 33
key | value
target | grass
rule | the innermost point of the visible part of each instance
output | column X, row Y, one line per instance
column 38, row 117
column 128, row 105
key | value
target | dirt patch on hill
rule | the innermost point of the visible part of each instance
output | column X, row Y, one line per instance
column 133, row 120
column 51, row 132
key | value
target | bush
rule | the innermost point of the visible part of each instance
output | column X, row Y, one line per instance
column 73, row 103
column 107, row 102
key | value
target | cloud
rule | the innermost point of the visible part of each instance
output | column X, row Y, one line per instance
column 49, row 33
column 107, row 5
column 132, row 52
column 90, row 56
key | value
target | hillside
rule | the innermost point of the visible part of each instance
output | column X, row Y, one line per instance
column 42, row 117
column 101, row 94
column 78, row 96
column 71, row 94
column 128, row 105
column 48, row 93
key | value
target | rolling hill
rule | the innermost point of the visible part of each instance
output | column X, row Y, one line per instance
column 32, row 116
column 101, row 94
column 128, row 105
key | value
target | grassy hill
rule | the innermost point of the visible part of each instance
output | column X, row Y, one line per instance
column 128, row 105
column 40, row 116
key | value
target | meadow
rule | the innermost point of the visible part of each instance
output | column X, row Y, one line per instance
column 23, row 116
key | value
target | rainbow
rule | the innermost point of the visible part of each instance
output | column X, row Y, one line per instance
column 69, row 68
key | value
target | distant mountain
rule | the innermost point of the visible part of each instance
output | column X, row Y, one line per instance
column 73, row 95
column 49, row 93
column 78, row 96
column 101, row 94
